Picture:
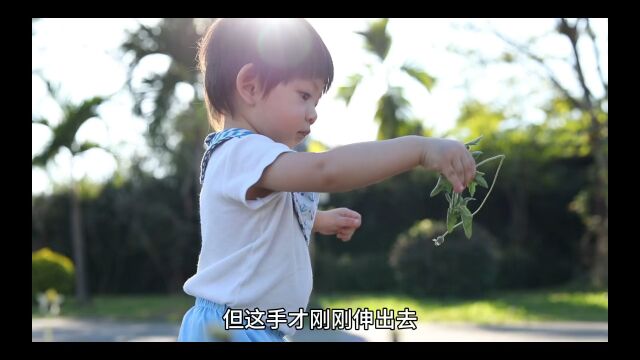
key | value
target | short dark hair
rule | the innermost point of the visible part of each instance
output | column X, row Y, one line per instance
column 280, row 50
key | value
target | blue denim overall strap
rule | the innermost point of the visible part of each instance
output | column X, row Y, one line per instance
column 305, row 207
column 305, row 204
column 213, row 140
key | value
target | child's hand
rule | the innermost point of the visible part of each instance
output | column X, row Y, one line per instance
column 341, row 222
column 450, row 158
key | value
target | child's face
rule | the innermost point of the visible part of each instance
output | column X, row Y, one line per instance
column 288, row 111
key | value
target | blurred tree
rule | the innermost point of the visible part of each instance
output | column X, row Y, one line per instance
column 392, row 112
column 176, row 131
column 536, row 185
column 595, row 211
column 177, row 40
column 64, row 136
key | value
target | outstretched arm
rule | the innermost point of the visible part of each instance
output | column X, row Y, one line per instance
column 358, row 165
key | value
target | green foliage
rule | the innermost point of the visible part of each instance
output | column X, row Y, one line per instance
column 420, row 75
column 391, row 112
column 64, row 134
column 477, row 119
column 392, row 107
column 360, row 272
column 177, row 39
column 458, row 209
column 346, row 91
column 378, row 40
column 464, row 268
column 50, row 270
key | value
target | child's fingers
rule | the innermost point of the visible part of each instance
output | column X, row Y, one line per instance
column 346, row 233
column 459, row 171
column 470, row 169
column 348, row 222
column 345, row 236
column 462, row 173
column 453, row 178
column 350, row 213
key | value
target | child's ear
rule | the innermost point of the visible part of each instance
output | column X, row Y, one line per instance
column 247, row 84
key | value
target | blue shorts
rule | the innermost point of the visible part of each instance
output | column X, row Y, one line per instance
column 204, row 322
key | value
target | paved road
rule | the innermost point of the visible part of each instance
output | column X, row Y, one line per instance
column 68, row 329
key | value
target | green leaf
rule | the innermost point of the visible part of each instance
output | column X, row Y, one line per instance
column 474, row 141
column 378, row 40
column 447, row 185
column 64, row 133
column 467, row 221
column 438, row 188
column 481, row 181
column 346, row 92
column 472, row 188
column 392, row 109
column 476, row 154
column 442, row 184
column 448, row 197
column 452, row 219
column 425, row 79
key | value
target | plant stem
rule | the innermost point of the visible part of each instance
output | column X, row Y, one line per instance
column 501, row 157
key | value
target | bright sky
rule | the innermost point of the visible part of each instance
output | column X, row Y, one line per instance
column 81, row 55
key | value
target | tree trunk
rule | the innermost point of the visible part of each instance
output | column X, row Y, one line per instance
column 598, row 218
column 82, row 291
column 600, row 207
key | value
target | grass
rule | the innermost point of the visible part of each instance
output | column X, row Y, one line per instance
column 500, row 308
column 144, row 307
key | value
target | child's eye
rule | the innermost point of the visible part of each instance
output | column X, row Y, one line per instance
column 305, row 96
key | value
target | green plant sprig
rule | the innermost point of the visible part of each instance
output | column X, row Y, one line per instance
column 457, row 203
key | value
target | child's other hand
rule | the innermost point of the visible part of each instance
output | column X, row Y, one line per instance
column 450, row 158
column 341, row 222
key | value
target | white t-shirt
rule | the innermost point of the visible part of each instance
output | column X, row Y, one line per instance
column 254, row 253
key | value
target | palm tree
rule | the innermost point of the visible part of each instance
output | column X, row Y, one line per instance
column 177, row 40
column 64, row 136
column 392, row 106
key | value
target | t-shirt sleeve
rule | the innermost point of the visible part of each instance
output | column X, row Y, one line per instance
column 247, row 160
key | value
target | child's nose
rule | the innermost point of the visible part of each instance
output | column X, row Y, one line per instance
column 312, row 116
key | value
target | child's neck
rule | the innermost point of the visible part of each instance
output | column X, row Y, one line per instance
column 234, row 123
